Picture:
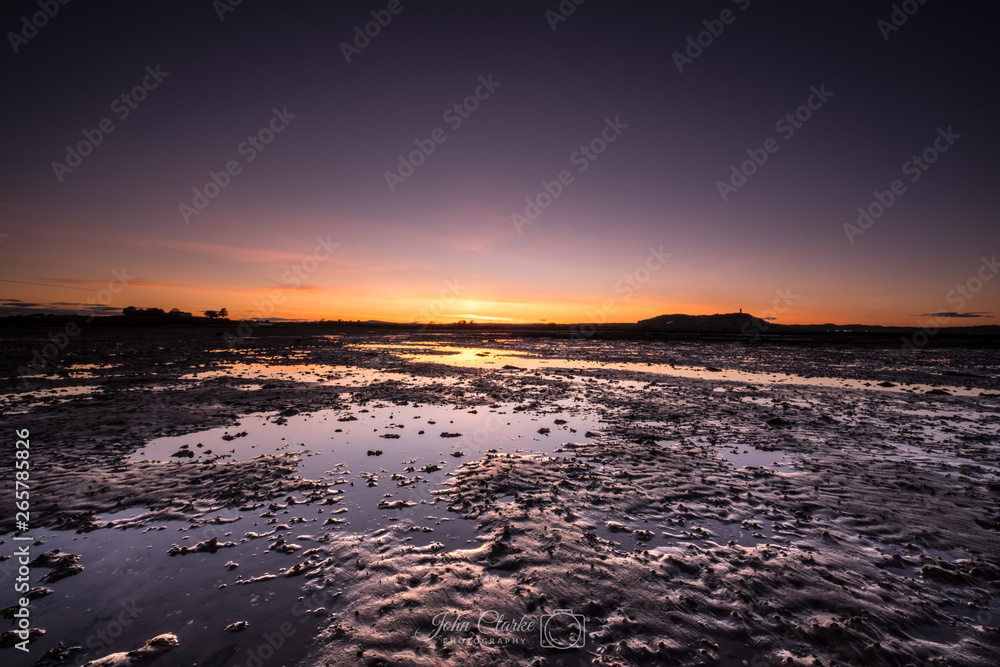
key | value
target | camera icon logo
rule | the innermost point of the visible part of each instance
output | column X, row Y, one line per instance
column 562, row 629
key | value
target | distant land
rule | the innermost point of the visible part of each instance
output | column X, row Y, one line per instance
column 743, row 325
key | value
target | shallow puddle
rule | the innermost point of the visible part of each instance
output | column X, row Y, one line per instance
column 195, row 596
column 311, row 373
column 20, row 403
column 489, row 358
column 741, row 456
column 384, row 461
column 131, row 590
column 331, row 441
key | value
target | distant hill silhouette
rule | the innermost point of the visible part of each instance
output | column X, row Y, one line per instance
column 724, row 322
column 745, row 323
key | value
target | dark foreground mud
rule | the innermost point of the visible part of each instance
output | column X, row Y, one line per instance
column 699, row 520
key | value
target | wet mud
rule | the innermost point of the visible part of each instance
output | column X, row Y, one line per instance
column 470, row 500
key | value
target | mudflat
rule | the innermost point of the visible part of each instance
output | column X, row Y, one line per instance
column 476, row 499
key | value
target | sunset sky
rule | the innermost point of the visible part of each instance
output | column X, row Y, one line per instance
column 311, row 227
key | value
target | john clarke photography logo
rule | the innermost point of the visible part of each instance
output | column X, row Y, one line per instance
column 562, row 629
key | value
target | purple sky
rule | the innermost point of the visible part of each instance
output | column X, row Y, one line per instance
column 310, row 228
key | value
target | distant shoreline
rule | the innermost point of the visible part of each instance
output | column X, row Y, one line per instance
column 796, row 334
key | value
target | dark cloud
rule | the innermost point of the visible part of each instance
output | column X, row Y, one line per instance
column 979, row 314
column 13, row 307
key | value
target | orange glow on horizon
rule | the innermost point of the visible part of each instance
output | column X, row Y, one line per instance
column 383, row 301
column 315, row 304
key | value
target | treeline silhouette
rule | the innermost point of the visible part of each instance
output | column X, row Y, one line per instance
column 132, row 311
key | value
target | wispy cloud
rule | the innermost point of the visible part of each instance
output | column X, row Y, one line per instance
column 216, row 251
column 977, row 314
column 60, row 308
column 26, row 282
column 103, row 282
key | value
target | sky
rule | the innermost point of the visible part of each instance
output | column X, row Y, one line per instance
column 504, row 161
